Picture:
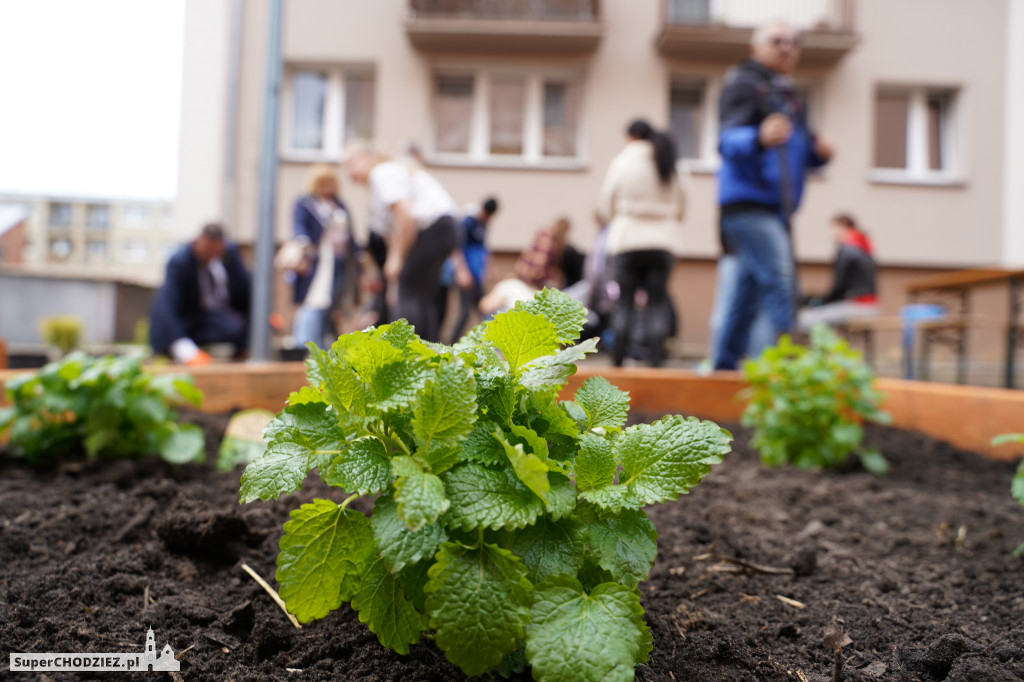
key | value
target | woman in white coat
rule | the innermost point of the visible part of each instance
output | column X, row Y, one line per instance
column 643, row 201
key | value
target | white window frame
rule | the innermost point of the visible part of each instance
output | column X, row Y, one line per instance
column 129, row 251
column 708, row 159
column 917, row 171
column 334, row 123
column 533, row 123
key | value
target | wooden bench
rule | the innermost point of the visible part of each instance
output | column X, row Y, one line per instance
column 949, row 330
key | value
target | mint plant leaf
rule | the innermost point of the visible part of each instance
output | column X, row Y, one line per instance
column 554, row 370
column 477, row 599
column 420, row 495
column 482, row 497
column 561, row 496
column 605, row 405
column 301, row 438
column 550, row 547
column 445, row 412
column 383, row 605
column 576, row 637
column 558, row 421
column 481, row 445
column 521, row 337
column 1017, row 486
column 324, row 550
column 183, row 443
column 529, row 468
column 624, row 544
column 306, row 394
column 564, row 312
column 397, row 545
column 665, row 459
column 363, row 467
column 595, row 464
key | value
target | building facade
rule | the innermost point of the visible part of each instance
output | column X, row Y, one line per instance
column 529, row 101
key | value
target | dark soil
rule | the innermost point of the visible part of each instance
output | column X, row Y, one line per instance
column 916, row 568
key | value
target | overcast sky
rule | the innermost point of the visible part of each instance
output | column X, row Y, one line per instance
column 90, row 96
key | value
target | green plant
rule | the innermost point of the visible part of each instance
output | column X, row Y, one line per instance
column 63, row 332
column 808, row 404
column 108, row 406
column 1017, row 486
column 508, row 523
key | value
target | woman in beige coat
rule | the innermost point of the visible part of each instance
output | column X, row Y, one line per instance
column 643, row 199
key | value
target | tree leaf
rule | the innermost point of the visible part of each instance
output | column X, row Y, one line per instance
column 595, row 464
column 564, row 312
column 576, row 637
column 606, row 406
column 420, row 495
column 486, row 497
column 324, row 551
column 550, row 547
column 385, row 608
column 624, row 544
column 398, row 545
column 521, row 337
column 364, row 467
column 477, row 600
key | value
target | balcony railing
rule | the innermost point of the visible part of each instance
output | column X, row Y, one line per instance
column 719, row 30
column 505, row 26
column 804, row 15
column 517, row 10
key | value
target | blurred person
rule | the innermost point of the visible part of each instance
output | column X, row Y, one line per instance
column 539, row 264
column 322, row 228
column 767, row 149
column 643, row 200
column 411, row 215
column 593, row 289
column 204, row 300
column 853, row 292
column 470, row 263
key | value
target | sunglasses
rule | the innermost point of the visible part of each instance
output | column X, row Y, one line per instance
column 787, row 41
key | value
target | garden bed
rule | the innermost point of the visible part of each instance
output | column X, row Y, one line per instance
column 915, row 567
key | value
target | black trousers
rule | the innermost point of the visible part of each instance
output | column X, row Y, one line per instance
column 469, row 302
column 421, row 277
column 647, row 270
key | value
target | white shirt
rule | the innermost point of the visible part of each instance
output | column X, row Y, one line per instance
column 394, row 181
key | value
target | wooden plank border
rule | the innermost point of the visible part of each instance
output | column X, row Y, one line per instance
column 966, row 416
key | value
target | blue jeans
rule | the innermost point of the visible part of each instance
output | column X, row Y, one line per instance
column 766, row 277
column 727, row 276
column 309, row 325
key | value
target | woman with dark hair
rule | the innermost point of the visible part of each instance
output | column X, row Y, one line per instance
column 643, row 201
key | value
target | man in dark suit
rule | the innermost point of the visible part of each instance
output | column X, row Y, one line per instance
column 204, row 299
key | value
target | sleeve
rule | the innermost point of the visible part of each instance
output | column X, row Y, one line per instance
column 167, row 323
column 390, row 183
column 681, row 187
column 606, row 200
column 841, row 271
column 301, row 222
column 738, row 120
column 813, row 160
column 239, row 281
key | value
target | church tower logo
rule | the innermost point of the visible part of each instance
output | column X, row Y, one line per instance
column 148, row 660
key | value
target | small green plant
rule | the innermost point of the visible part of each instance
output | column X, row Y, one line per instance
column 63, row 332
column 109, row 407
column 507, row 523
column 1017, row 487
column 808, row 404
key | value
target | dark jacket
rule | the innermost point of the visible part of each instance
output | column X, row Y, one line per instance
column 306, row 223
column 772, row 178
column 178, row 305
column 853, row 271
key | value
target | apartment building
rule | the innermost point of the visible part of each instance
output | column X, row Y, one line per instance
column 529, row 99
column 128, row 238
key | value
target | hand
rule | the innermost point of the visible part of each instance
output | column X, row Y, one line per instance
column 776, row 129
column 823, row 148
column 392, row 268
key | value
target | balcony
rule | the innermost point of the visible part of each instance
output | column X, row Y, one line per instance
column 719, row 30
column 505, row 26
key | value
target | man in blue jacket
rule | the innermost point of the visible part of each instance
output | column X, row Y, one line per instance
column 766, row 148
column 204, row 299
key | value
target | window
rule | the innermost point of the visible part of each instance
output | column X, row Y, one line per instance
column 167, row 218
column 325, row 108
column 686, row 113
column 60, row 215
column 506, row 117
column 96, row 250
column 97, row 216
column 134, row 252
column 136, row 216
column 914, row 133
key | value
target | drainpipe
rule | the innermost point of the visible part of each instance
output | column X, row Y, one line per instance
column 263, row 257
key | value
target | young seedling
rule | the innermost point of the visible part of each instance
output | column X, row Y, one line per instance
column 808, row 404
column 110, row 407
column 1017, row 486
column 508, row 524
